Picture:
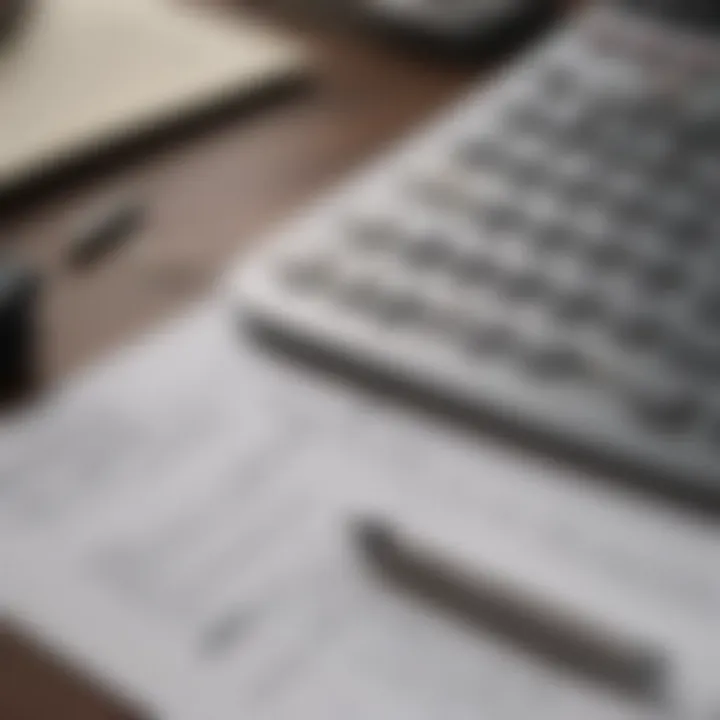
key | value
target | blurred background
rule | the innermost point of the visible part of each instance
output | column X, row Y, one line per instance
column 147, row 147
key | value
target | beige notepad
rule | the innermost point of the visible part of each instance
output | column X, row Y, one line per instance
column 87, row 73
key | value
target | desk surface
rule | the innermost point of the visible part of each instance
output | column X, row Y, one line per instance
column 210, row 190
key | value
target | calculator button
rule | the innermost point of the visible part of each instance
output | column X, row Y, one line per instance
column 399, row 308
column 524, row 119
column 714, row 428
column 535, row 120
column 309, row 274
column 442, row 191
column 482, row 154
column 707, row 171
column 664, row 402
column 709, row 308
column 695, row 353
column 525, row 275
column 632, row 206
column 639, row 328
column 579, row 301
column 571, row 172
column 529, row 173
column 491, row 338
column 486, row 330
column 517, row 271
column 358, row 294
column 476, row 268
column 608, row 253
column 555, row 236
column 549, row 355
column 560, row 82
column 373, row 234
column 501, row 217
column 556, row 361
column 374, row 299
column 661, row 274
column 683, row 223
column 525, row 285
column 579, row 306
column 429, row 251
column 584, row 189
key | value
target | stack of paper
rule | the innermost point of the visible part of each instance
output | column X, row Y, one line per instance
column 88, row 73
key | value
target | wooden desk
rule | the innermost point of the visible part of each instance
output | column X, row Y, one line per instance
column 210, row 191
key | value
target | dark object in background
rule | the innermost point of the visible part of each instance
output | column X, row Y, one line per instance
column 464, row 26
column 703, row 15
column 12, row 12
column 19, row 301
column 106, row 233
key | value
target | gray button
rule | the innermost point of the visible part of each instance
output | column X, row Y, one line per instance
column 428, row 251
column 313, row 273
column 639, row 327
column 664, row 402
column 373, row 234
column 661, row 274
column 552, row 357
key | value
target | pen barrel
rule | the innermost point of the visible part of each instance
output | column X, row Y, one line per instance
column 573, row 619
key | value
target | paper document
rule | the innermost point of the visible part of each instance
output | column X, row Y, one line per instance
column 177, row 524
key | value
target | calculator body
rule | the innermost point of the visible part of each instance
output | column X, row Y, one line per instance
column 545, row 256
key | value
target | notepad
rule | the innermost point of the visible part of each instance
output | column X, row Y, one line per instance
column 86, row 74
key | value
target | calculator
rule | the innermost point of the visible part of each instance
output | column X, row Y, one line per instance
column 545, row 256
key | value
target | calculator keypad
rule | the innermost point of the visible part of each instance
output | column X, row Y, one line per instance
column 575, row 242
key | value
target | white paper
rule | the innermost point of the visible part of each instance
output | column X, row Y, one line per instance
column 176, row 524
